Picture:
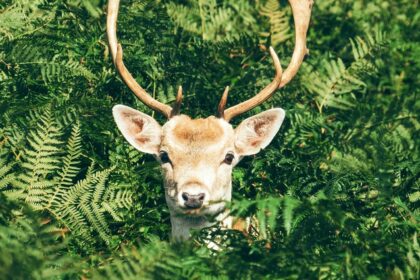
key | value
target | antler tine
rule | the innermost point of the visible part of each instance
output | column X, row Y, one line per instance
column 222, row 104
column 111, row 26
column 177, row 106
column 263, row 95
column 117, row 56
column 301, row 10
column 302, row 13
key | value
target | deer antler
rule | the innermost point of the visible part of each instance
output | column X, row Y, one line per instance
column 302, row 13
column 117, row 57
column 263, row 95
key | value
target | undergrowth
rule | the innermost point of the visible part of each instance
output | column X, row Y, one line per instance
column 336, row 194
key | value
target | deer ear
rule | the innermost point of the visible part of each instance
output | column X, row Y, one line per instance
column 256, row 132
column 140, row 130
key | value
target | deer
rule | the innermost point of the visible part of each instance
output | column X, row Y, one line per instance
column 197, row 155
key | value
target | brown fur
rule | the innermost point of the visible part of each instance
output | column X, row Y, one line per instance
column 199, row 131
column 142, row 139
column 261, row 125
column 241, row 225
column 137, row 125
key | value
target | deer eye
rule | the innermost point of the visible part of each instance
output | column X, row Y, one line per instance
column 229, row 158
column 164, row 158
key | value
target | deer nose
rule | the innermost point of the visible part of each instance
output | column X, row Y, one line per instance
column 193, row 201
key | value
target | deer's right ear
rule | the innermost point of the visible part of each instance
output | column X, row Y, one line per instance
column 140, row 130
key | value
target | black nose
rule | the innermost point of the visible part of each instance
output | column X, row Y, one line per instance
column 193, row 201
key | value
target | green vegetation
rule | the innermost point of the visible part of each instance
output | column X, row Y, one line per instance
column 336, row 193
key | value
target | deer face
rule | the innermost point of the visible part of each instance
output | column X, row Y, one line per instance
column 197, row 156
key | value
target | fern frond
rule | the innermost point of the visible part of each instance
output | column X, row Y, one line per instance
column 334, row 82
column 80, row 205
column 49, row 67
column 279, row 22
column 212, row 20
column 154, row 261
column 57, row 71
column 182, row 16
column 289, row 205
column 6, row 177
column 117, row 200
column 70, row 169
column 21, row 19
column 362, row 47
column 39, row 162
column 98, row 219
column 332, row 87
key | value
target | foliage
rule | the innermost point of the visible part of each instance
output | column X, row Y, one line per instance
column 48, row 179
column 29, row 246
column 335, row 195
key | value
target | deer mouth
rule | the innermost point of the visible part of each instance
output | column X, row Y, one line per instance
column 193, row 212
column 209, row 209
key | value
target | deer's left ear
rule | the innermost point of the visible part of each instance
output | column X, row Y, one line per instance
column 256, row 132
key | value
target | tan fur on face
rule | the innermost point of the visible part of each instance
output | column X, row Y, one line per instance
column 199, row 131
column 197, row 148
column 184, row 135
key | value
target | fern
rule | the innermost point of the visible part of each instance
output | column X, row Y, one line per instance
column 117, row 200
column 71, row 161
column 49, row 182
column 141, row 262
column 21, row 19
column 3, row 76
column 80, row 207
column 39, row 162
column 279, row 22
column 54, row 69
column 266, row 213
column 332, row 87
column 336, row 86
column 6, row 177
column 29, row 249
column 57, row 71
column 363, row 47
column 209, row 19
column 290, row 205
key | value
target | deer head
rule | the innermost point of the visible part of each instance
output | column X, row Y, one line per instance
column 197, row 155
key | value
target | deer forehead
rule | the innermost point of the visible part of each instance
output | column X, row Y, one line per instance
column 209, row 136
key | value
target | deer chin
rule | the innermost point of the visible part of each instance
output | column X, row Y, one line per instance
column 209, row 210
